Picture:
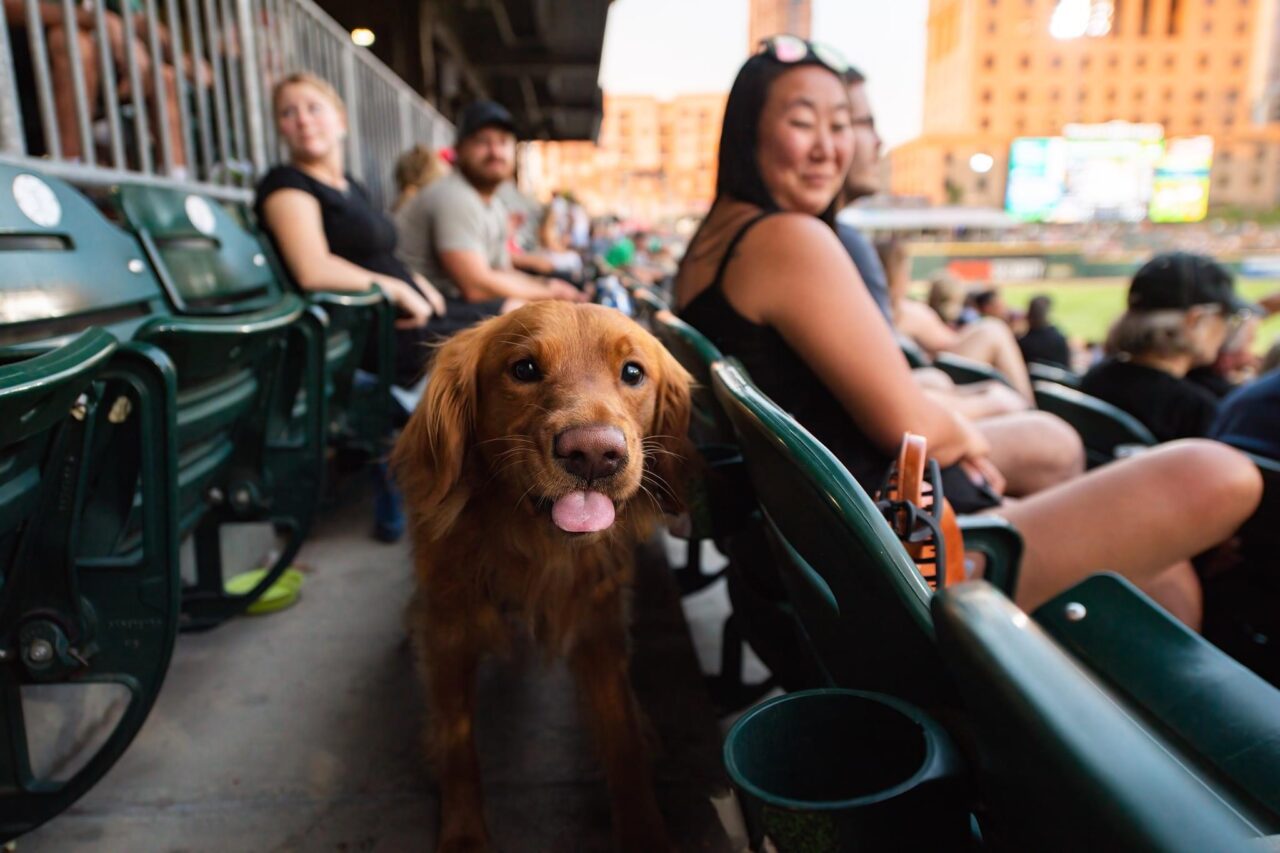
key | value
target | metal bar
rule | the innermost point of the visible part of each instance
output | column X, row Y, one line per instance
column 252, row 94
column 351, row 94
column 84, row 124
column 44, row 88
column 233, row 48
column 221, row 119
column 177, row 49
column 136, row 90
column 160, row 90
column 12, row 138
column 204, row 84
column 101, row 176
column 110, row 94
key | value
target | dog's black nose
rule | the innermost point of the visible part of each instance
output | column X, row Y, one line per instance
column 591, row 452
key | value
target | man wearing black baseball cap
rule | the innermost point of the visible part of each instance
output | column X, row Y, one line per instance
column 454, row 231
column 1182, row 309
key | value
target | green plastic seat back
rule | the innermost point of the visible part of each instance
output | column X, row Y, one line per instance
column 206, row 260
column 1065, row 766
column 696, row 354
column 915, row 356
column 65, row 266
column 862, row 601
column 1201, row 699
column 1053, row 373
column 1102, row 427
column 964, row 371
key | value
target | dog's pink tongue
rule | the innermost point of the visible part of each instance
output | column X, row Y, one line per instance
column 582, row 512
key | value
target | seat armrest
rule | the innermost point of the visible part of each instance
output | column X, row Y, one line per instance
column 1000, row 543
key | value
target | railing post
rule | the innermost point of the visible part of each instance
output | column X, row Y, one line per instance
column 351, row 94
column 253, row 86
column 12, row 138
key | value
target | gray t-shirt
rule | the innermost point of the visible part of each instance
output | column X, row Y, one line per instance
column 449, row 215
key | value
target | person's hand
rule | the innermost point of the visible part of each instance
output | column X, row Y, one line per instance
column 415, row 309
column 980, row 469
column 560, row 289
column 429, row 291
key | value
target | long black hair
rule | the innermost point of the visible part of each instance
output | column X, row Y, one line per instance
column 738, row 173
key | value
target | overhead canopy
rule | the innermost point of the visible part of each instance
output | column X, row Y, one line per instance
column 539, row 58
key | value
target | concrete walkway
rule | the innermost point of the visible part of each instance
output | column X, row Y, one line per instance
column 299, row 731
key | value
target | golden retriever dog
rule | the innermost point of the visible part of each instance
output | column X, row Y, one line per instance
column 547, row 445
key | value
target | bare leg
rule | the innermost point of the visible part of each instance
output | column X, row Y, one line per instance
column 1178, row 591
column 599, row 662
column 1138, row 517
column 977, row 400
column 1034, row 450
column 991, row 341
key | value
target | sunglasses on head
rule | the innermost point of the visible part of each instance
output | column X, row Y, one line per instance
column 789, row 50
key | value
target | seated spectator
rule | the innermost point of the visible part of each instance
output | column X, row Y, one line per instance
column 1250, row 417
column 1044, row 342
column 417, row 168
column 329, row 234
column 822, row 351
column 454, row 232
column 1236, row 363
column 62, row 73
column 1181, row 309
column 987, row 339
column 989, row 303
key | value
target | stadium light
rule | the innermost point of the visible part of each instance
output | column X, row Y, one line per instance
column 1070, row 19
column 362, row 36
column 981, row 163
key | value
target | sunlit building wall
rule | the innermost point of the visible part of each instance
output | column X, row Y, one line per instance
column 770, row 17
column 999, row 69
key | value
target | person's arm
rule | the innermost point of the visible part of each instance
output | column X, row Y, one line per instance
column 478, row 281
column 923, row 325
column 295, row 220
column 827, row 316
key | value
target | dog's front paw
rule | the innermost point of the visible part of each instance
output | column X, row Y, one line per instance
column 464, row 844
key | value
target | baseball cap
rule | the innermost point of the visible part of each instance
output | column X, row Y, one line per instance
column 1179, row 280
column 482, row 114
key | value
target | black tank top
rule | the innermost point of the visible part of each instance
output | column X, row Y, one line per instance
column 787, row 380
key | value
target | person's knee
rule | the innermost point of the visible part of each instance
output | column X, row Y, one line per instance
column 1065, row 453
column 1213, row 479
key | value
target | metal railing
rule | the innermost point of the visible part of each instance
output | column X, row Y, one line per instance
column 186, row 99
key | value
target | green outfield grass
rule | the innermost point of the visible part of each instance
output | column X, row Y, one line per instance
column 1085, row 308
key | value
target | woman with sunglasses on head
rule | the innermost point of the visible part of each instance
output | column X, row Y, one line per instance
column 768, row 281
column 1182, row 309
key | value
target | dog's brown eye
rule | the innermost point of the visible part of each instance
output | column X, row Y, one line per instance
column 525, row 370
column 632, row 373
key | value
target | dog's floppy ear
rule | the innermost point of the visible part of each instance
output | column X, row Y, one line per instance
column 670, row 432
column 432, row 449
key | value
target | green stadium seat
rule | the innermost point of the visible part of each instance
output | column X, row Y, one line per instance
column 68, row 268
column 1105, row 429
column 862, row 601
column 1053, row 373
column 964, row 371
column 1218, row 713
column 361, row 330
column 1065, row 764
column 86, row 453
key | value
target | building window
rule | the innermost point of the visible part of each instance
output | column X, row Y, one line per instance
column 1256, row 179
column 1084, row 62
column 1203, row 60
column 1224, row 182
column 991, row 26
column 1141, row 61
column 980, row 184
column 1237, row 60
column 1111, row 96
column 1081, row 95
column 1054, row 95
column 986, row 96
column 1242, row 27
column 1168, row 94
column 1024, row 61
column 1198, row 96
column 1021, row 96
column 985, row 123
column 1206, row 27
column 988, row 61
column 1113, row 61
column 1055, row 62
column 1168, row 61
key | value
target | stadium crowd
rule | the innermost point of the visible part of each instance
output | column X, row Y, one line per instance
column 822, row 317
